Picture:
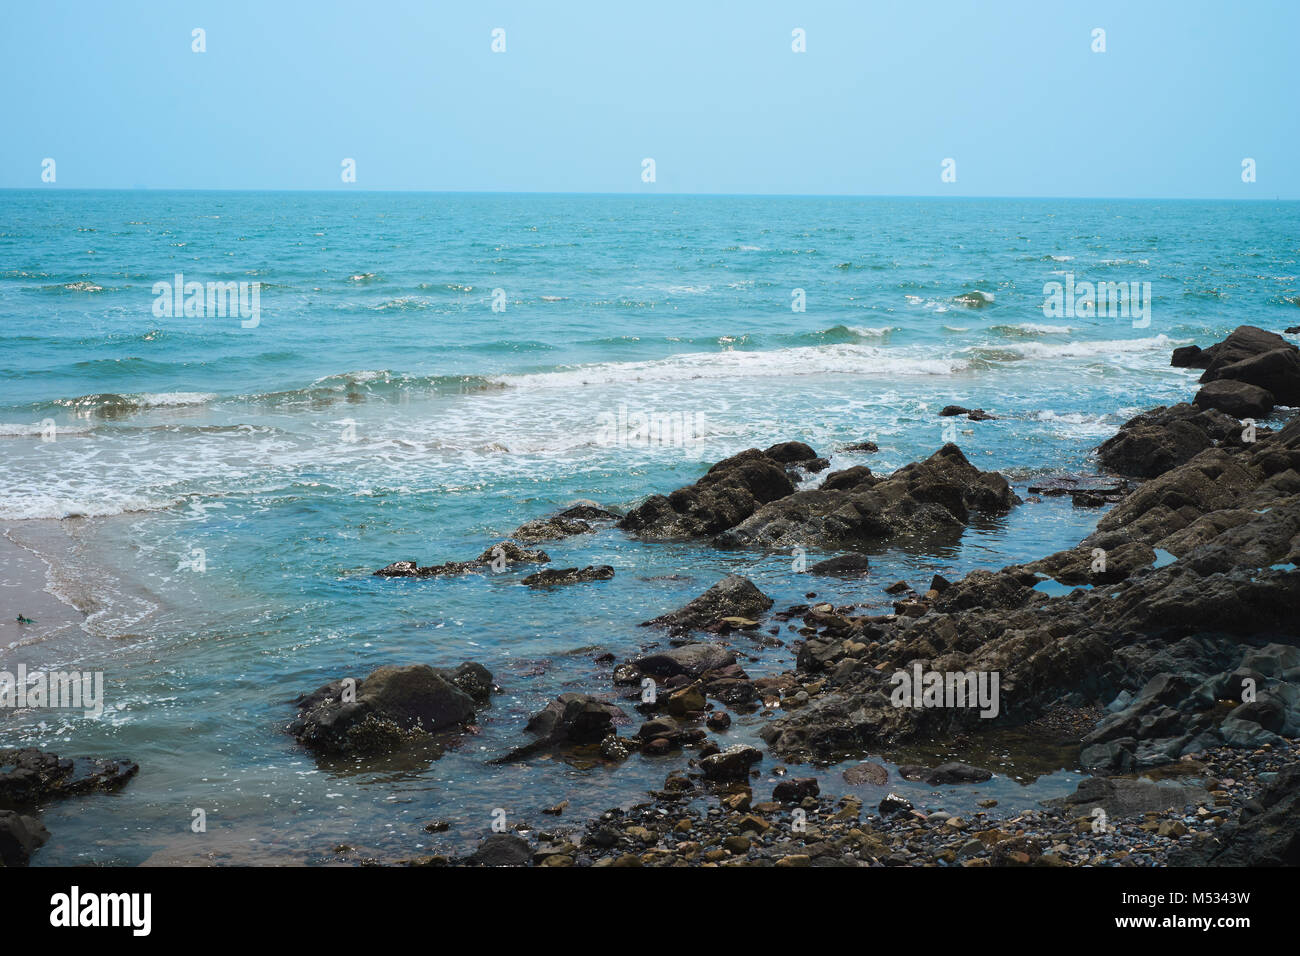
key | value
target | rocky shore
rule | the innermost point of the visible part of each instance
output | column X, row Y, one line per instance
column 1161, row 651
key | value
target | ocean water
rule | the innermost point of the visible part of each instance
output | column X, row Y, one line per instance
column 381, row 409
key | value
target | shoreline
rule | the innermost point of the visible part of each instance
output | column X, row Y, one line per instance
column 27, row 588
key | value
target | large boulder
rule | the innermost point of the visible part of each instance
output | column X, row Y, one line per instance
column 389, row 708
column 1276, row 371
column 1243, row 342
column 1238, row 399
column 1152, row 443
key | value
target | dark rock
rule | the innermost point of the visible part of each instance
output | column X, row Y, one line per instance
column 948, row 411
column 19, row 837
column 892, row 804
column 547, row 529
column 572, row 719
column 508, row 552
column 393, row 706
column 979, row 415
column 731, row 764
column 795, row 790
column 791, row 452
column 29, row 776
column 587, row 511
column 474, row 679
column 733, row 596
column 729, row 492
column 945, row 774
column 499, row 555
column 502, row 849
column 575, row 718
column 1277, row 372
column 1239, row 399
column 861, row 446
column 1246, row 341
column 850, row 478
column 1111, row 757
column 1150, row 444
column 691, row 660
column 934, row 497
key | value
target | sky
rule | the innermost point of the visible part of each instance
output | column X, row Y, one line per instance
column 1012, row 92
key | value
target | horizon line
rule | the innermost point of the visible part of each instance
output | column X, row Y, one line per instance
column 636, row 194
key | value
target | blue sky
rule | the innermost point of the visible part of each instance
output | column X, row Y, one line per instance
column 711, row 90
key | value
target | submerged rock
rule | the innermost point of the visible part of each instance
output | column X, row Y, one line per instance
column 1121, row 797
column 555, row 576
column 691, row 660
column 946, row 773
column 29, row 776
column 497, row 557
column 846, row 565
column 571, row 719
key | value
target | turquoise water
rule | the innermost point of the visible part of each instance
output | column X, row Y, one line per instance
column 382, row 410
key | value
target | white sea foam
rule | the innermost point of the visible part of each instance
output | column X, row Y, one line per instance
column 166, row 399
column 1091, row 349
column 25, row 429
column 1037, row 328
column 808, row 360
column 28, row 505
